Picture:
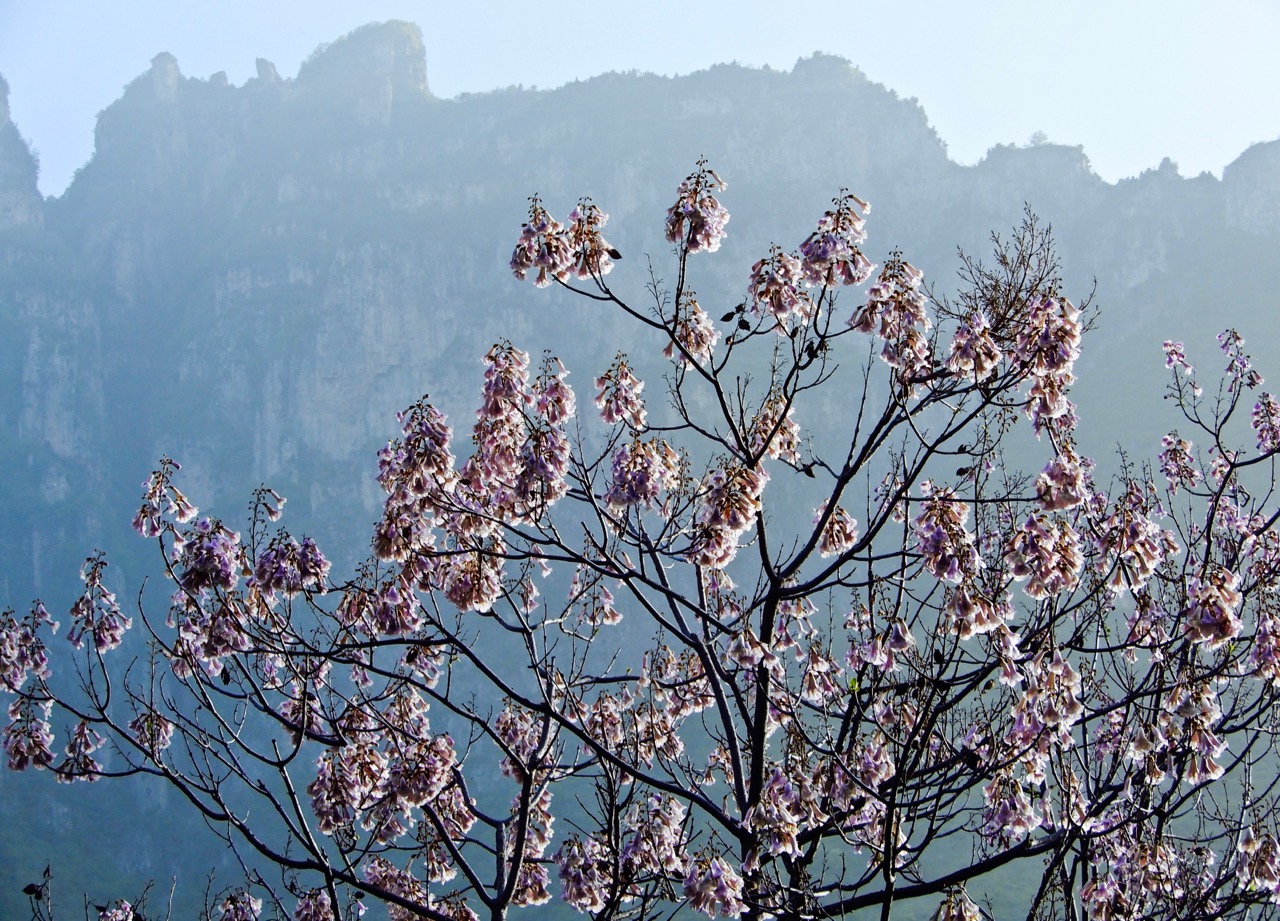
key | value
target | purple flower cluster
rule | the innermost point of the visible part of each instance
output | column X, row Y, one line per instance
column 28, row 739
column 839, row 532
column 22, row 651
column 1212, row 602
column 544, row 246
column 641, row 472
column 974, row 353
column 618, row 397
column 1064, row 482
column 1132, row 545
column 777, row 288
column 713, row 887
column 1046, row 350
column 696, row 221
column 162, row 499
column 831, row 255
column 1266, row 423
column 208, row 556
column 586, row 873
column 592, row 254
column 289, row 567
column 1177, row 462
column 946, row 545
column 1046, row 553
column 1239, row 372
column 729, row 504
column 80, row 763
column 693, row 334
column 773, row 432
column 896, row 311
column 96, row 612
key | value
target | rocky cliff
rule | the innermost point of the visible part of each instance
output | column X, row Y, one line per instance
column 254, row 278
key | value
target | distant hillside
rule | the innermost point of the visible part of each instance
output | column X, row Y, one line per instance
column 254, row 279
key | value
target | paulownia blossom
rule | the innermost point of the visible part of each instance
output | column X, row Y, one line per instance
column 974, row 353
column 1266, row 423
column 946, row 545
column 1133, row 545
column 729, row 503
column 896, row 311
column 831, row 254
column 1177, row 463
column 1064, row 482
column 592, row 255
column 713, row 887
column 1046, row 553
column 694, row 335
column 839, row 533
column 773, row 432
column 618, row 397
column 642, row 471
column 776, row 288
column 1213, row 600
column 696, row 221
column 1047, row 346
column 543, row 246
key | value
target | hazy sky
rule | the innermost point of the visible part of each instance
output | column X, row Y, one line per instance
column 1133, row 81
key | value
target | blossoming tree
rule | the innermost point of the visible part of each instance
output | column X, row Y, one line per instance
column 937, row 668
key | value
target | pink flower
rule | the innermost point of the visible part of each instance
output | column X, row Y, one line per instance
column 1047, row 347
column 730, row 501
column 774, row 433
column 240, row 906
column 545, row 246
column 152, row 731
column 1266, row 423
column 1063, row 484
column 696, row 221
column 1046, row 553
column 1175, row 356
column 693, row 335
column 592, row 254
column 209, row 556
column 314, row 905
column 776, row 288
column 896, row 311
column 1240, row 371
column 28, row 740
column 586, row 873
column 96, row 612
column 1177, row 463
column 839, row 533
column 1210, row 616
column 553, row 398
column 641, row 472
column 830, row 255
column 22, row 651
column 947, row 547
column 974, row 353
column 713, row 887
column 619, row 397
column 957, row 906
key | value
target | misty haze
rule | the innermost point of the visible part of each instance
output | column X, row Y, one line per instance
column 261, row 281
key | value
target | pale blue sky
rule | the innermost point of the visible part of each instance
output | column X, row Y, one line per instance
column 1132, row 81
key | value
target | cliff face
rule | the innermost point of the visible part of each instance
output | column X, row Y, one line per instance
column 20, row 202
column 254, row 279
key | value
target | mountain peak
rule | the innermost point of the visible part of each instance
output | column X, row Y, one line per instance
column 384, row 52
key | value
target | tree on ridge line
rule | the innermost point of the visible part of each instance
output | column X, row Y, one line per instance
column 917, row 667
